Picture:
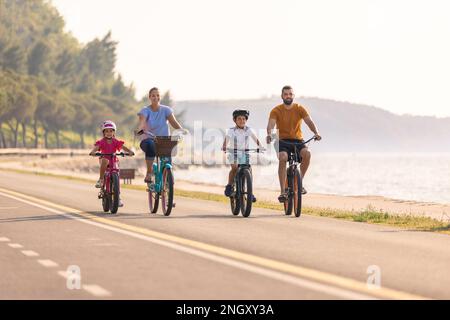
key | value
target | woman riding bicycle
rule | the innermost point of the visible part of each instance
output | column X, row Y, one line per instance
column 288, row 118
column 154, row 119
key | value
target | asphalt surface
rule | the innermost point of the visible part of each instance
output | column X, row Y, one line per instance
column 56, row 243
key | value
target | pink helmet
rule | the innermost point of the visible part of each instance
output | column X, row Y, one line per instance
column 109, row 125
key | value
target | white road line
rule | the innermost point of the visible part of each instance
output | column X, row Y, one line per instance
column 96, row 290
column 4, row 239
column 30, row 253
column 15, row 245
column 48, row 263
column 63, row 274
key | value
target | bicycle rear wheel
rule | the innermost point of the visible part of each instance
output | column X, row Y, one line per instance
column 115, row 193
column 246, row 194
column 297, row 194
column 167, row 192
column 288, row 204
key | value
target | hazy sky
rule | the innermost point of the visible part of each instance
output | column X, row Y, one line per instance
column 394, row 54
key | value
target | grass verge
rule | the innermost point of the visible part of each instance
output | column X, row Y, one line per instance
column 369, row 215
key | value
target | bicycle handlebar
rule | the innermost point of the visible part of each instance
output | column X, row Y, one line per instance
column 298, row 143
column 119, row 154
column 141, row 132
column 229, row 150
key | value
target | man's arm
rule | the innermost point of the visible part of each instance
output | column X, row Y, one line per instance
column 312, row 127
column 270, row 127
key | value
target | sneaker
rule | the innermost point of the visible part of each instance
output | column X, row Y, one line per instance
column 99, row 183
column 120, row 203
column 253, row 198
column 228, row 190
column 283, row 197
column 148, row 179
column 304, row 191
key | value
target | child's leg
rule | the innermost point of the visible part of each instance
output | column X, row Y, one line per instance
column 103, row 165
column 233, row 171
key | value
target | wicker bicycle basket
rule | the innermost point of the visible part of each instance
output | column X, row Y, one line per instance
column 166, row 146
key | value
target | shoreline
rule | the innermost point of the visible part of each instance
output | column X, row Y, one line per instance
column 380, row 204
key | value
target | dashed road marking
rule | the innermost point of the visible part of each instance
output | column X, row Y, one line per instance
column 4, row 239
column 48, row 263
column 96, row 290
column 15, row 245
column 30, row 253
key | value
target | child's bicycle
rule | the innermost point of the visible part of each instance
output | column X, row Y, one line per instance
column 293, row 185
column 110, row 190
column 241, row 199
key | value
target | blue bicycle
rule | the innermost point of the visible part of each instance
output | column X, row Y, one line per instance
column 162, row 187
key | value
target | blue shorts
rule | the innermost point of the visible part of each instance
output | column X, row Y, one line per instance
column 148, row 146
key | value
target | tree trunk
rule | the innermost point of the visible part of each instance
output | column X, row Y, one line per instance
column 24, row 134
column 36, row 135
column 16, row 134
column 57, row 138
column 2, row 137
column 46, row 138
column 82, row 139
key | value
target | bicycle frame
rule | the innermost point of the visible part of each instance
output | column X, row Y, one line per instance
column 159, row 165
column 113, row 167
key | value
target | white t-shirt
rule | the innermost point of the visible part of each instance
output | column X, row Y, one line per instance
column 239, row 138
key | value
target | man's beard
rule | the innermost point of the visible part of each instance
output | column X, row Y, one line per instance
column 288, row 102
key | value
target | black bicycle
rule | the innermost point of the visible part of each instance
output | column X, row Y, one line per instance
column 241, row 199
column 293, row 184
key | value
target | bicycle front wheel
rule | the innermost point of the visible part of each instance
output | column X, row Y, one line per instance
column 115, row 192
column 153, row 200
column 167, row 192
column 288, row 203
column 297, row 194
column 246, row 194
column 235, row 201
column 106, row 201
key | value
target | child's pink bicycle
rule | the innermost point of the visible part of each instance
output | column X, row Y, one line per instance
column 110, row 191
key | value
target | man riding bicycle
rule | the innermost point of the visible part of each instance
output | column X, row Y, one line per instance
column 288, row 118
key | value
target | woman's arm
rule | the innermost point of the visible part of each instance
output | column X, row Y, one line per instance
column 173, row 122
column 142, row 123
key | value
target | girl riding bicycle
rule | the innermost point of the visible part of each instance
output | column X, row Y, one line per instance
column 108, row 144
column 238, row 138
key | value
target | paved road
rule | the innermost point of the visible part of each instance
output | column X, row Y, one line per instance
column 53, row 229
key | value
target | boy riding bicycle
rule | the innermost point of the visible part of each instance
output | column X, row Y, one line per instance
column 237, row 138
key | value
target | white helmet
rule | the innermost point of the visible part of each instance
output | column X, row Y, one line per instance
column 109, row 125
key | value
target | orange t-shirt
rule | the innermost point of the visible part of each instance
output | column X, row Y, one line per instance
column 289, row 121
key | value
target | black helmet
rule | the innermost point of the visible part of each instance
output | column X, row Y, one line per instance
column 240, row 112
